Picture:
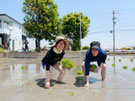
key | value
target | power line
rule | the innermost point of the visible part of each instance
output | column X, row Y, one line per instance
column 100, row 27
column 100, row 32
column 108, row 31
column 127, row 30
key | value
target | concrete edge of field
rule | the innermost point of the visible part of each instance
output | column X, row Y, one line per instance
column 68, row 54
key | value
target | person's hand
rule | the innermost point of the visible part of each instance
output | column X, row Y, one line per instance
column 96, row 70
column 64, row 68
column 44, row 67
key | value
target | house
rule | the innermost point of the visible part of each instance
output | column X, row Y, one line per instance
column 132, row 47
column 11, row 31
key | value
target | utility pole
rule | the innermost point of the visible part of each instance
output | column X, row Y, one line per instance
column 114, row 32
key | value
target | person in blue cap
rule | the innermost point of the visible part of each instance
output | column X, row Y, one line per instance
column 95, row 53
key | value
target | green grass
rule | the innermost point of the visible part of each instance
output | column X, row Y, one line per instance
column 119, row 60
column 79, row 72
column 125, row 67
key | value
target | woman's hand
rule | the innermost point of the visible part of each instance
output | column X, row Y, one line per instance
column 96, row 70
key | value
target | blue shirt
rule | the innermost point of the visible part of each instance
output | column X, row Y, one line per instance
column 101, row 57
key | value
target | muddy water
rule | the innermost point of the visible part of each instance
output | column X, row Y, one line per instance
column 26, row 84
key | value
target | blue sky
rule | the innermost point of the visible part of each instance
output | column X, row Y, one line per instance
column 100, row 14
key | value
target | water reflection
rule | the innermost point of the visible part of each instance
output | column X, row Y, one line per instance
column 114, row 63
column 19, row 74
column 14, row 74
column 40, row 82
column 80, row 81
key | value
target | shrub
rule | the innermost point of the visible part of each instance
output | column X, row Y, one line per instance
column 14, row 51
column 1, row 50
column 85, row 48
column 67, row 63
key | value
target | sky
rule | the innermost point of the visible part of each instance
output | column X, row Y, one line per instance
column 100, row 14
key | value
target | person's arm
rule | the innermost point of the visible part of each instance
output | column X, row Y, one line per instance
column 48, row 59
column 97, row 69
column 104, row 57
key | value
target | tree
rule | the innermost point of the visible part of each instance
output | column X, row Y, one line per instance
column 41, row 20
column 85, row 48
column 71, row 28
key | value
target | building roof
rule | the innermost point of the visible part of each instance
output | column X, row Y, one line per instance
column 10, row 18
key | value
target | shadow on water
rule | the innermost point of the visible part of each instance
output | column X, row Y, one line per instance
column 40, row 82
column 80, row 81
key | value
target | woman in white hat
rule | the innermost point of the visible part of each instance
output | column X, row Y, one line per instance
column 51, row 61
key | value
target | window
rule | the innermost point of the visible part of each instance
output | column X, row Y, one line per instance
column 6, row 25
column 0, row 24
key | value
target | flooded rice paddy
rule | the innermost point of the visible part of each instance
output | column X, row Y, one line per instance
column 22, row 79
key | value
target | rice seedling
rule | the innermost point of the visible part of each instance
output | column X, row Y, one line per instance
column 72, row 94
column 79, row 72
column 119, row 60
column 113, row 65
column 125, row 67
column 133, row 69
column 131, row 60
column 108, row 59
column 23, row 67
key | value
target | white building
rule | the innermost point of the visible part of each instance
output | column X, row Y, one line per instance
column 11, row 29
column 132, row 47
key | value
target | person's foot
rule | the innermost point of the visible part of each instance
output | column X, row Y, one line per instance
column 60, row 82
column 103, row 78
column 47, row 85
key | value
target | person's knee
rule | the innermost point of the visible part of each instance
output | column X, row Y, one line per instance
column 62, row 71
column 103, row 66
column 83, row 65
column 54, row 72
